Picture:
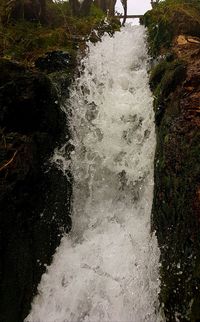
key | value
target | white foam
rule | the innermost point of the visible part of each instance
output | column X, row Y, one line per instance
column 107, row 268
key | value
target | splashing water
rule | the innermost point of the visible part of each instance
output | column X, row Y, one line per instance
column 107, row 268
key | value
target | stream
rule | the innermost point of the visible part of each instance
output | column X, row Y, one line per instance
column 107, row 268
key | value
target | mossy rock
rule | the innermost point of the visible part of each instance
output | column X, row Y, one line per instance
column 164, row 79
column 176, row 180
column 170, row 18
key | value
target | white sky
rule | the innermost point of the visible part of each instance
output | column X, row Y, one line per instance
column 135, row 7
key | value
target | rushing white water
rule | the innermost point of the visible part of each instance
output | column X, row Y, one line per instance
column 107, row 268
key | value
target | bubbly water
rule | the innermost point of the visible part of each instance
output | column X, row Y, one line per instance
column 106, row 269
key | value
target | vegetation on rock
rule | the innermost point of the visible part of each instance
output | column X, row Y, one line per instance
column 25, row 38
column 174, row 30
column 170, row 18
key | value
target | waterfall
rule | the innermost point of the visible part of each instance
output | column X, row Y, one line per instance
column 107, row 268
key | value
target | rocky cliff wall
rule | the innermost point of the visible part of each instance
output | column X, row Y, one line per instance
column 34, row 193
column 35, row 196
column 174, row 38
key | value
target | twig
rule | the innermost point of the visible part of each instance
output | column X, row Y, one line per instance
column 9, row 162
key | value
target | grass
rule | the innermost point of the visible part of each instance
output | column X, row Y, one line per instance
column 170, row 18
column 25, row 41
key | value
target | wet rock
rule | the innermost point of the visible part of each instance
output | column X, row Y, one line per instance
column 34, row 194
column 176, row 209
column 174, row 31
column 54, row 61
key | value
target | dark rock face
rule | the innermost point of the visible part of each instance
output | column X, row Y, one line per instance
column 176, row 206
column 173, row 34
column 34, row 194
column 54, row 61
column 25, row 108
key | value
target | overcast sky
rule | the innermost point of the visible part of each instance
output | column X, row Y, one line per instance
column 135, row 7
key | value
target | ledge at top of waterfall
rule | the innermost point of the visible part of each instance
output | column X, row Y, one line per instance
column 107, row 268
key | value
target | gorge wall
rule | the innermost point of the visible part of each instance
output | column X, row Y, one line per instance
column 37, row 64
column 34, row 193
column 174, row 38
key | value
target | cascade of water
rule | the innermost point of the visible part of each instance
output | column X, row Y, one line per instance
column 107, row 268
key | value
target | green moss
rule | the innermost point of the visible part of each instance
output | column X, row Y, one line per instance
column 96, row 12
column 170, row 18
column 157, row 73
column 177, row 169
column 164, row 79
column 25, row 41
